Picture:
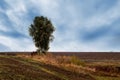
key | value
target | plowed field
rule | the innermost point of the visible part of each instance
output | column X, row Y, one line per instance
column 16, row 68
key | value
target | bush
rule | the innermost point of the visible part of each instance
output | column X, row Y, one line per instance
column 75, row 60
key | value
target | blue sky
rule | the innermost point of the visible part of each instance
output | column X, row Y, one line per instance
column 81, row 25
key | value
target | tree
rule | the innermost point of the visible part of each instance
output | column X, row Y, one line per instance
column 41, row 32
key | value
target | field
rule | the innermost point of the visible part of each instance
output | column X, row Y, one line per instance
column 60, row 66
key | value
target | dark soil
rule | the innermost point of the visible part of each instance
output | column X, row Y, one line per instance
column 15, row 68
column 82, row 55
column 92, row 55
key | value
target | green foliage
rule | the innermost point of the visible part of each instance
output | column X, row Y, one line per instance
column 75, row 60
column 41, row 31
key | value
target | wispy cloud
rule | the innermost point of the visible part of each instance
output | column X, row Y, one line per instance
column 81, row 25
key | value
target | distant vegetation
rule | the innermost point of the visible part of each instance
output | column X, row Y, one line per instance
column 41, row 31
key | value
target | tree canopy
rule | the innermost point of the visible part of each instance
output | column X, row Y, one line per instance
column 41, row 32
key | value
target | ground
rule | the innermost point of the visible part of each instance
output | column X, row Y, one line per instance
column 16, row 68
column 58, row 67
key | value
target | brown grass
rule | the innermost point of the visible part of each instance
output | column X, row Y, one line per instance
column 68, row 65
column 31, row 68
column 72, row 63
column 75, row 64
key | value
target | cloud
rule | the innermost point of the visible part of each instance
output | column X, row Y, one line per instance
column 14, row 44
column 96, row 30
column 81, row 25
column 4, row 48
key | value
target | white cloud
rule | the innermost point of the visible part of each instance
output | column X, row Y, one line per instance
column 66, row 14
column 105, row 18
column 67, row 41
column 17, row 15
column 16, row 44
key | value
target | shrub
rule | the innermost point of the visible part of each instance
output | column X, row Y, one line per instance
column 75, row 60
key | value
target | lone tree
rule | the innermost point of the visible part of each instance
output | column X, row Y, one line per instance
column 41, row 31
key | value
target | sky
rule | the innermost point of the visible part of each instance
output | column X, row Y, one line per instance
column 80, row 25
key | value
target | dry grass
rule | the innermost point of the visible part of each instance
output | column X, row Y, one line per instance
column 64, row 66
column 30, row 68
column 72, row 63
